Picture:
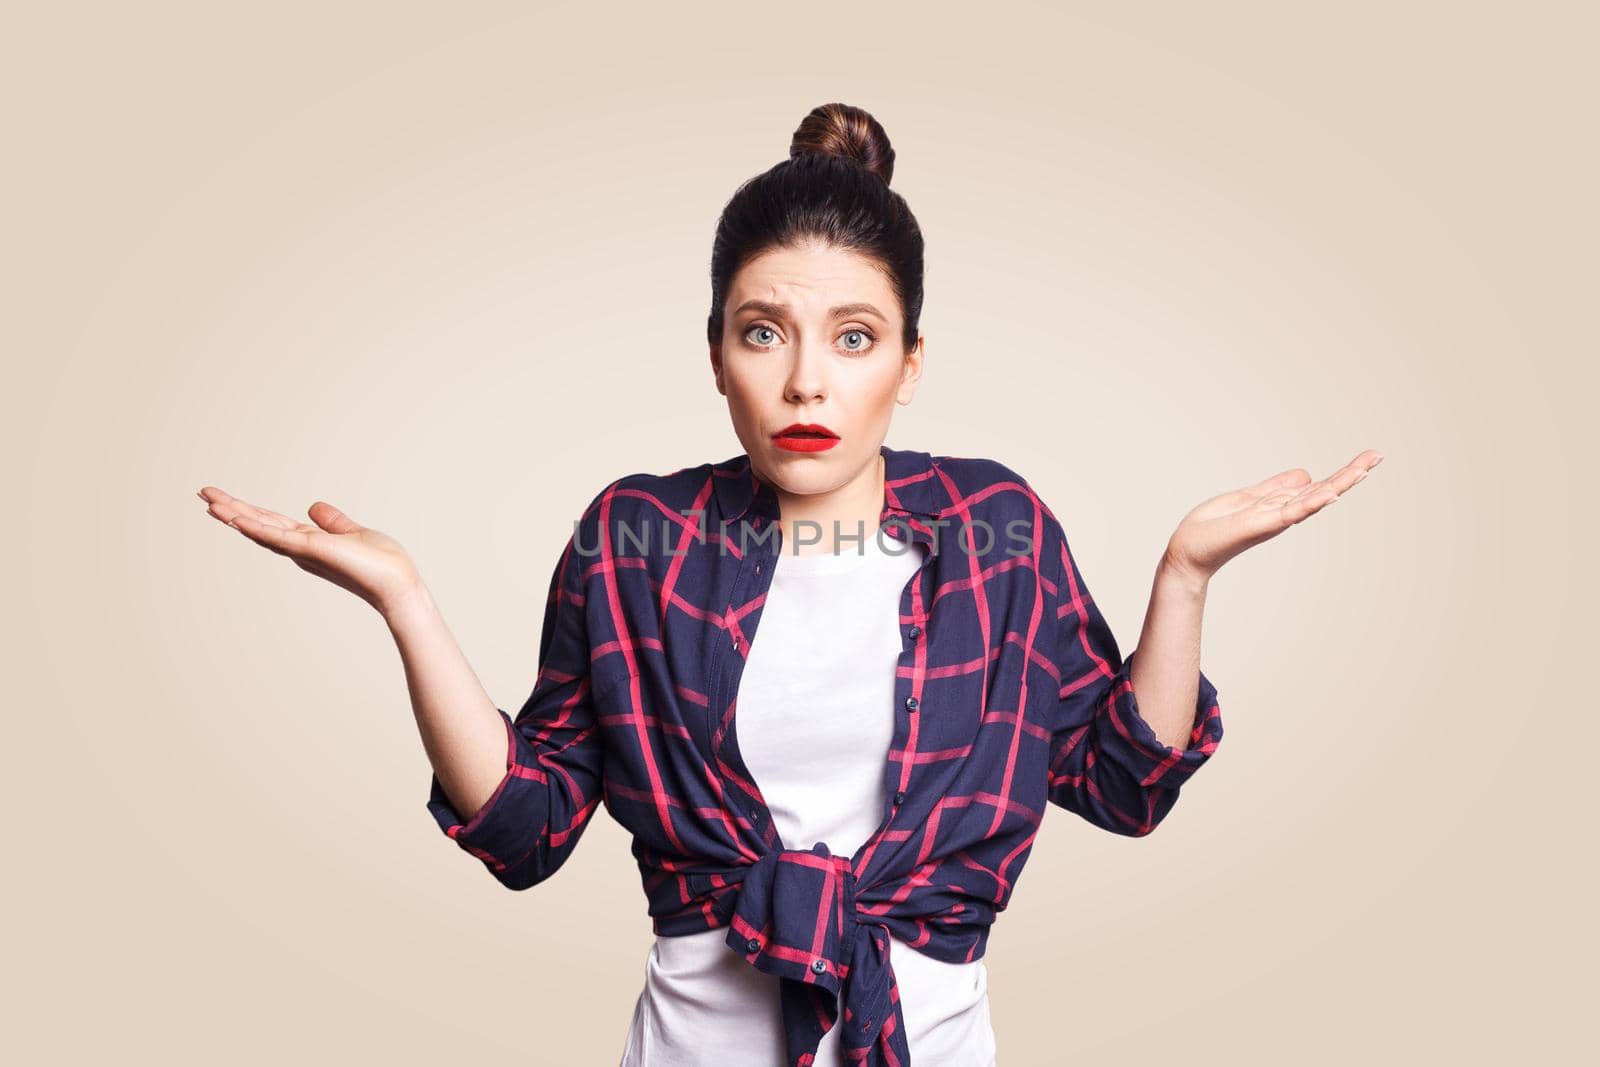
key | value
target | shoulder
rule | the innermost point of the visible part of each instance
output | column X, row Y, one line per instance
column 646, row 496
column 972, row 473
column 976, row 482
column 988, row 490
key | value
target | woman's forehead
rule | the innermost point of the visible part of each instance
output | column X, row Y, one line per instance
column 811, row 283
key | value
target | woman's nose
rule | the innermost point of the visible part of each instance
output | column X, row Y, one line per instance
column 806, row 375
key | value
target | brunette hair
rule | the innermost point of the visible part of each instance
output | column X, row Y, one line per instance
column 834, row 187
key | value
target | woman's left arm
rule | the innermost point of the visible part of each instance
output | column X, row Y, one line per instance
column 1165, row 673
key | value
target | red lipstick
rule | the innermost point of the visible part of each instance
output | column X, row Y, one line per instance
column 805, row 437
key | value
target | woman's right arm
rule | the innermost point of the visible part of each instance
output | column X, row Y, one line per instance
column 462, row 731
column 516, row 792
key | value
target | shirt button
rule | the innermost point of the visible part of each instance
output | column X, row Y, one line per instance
column 753, row 945
column 916, row 631
column 900, row 796
column 818, row 965
column 911, row 703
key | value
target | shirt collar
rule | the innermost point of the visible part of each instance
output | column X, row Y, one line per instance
column 912, row 489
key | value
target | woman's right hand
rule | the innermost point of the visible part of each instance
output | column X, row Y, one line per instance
column 370, row 564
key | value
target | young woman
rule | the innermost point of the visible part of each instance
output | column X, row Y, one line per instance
column 822, row 869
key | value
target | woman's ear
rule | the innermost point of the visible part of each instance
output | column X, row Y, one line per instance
column 911, row 371
column 716, row 368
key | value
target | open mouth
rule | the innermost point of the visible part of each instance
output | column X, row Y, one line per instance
column 805, row 437
column 807, row 430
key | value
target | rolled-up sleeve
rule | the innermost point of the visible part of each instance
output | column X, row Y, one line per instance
column 555, row 760
column 1107, row 764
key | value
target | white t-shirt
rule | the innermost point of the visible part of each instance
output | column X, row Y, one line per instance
column 814, row 724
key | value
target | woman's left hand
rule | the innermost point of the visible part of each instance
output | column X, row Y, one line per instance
column 1226, row 525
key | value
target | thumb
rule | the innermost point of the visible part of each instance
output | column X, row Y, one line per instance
column 331, row 518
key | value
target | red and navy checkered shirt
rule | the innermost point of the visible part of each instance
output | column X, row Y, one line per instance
column 1010, row 692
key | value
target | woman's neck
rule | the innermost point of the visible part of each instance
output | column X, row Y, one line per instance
column 808, row 520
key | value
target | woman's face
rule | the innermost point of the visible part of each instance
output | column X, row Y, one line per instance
column 812, row 335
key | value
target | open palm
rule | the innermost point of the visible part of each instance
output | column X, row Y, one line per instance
column 1227, row 524
column 364, row 561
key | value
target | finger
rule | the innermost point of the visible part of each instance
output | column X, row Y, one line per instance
column 1275, row 501
column 1364, row 463
column 283, row 542
column 332, row 519
column 1293, row 494
column 1293, row 477
column 1316, row 493
column 1351, row 473
column 1306, row 505
column 231, row 510
column 1305, row 500
column 232, row 506
column 1291, row 501
column 1323, row 490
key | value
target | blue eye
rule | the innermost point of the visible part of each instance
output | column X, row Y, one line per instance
column 859, row 333
column 866, row 335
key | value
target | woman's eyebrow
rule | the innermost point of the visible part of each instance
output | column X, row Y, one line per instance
column 766, row 307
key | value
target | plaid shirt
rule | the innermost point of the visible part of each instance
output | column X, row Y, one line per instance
column 1010, row 692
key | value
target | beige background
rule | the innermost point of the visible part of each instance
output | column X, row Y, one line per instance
column 446, row 268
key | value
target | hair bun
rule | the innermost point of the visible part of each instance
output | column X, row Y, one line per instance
column 848, row 132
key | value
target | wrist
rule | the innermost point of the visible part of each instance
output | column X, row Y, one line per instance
column 1177, row 575
column 408, row 606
